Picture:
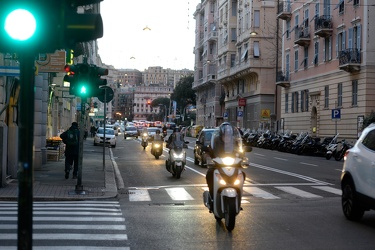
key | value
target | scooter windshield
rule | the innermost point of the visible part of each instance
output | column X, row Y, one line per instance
column 226, row 141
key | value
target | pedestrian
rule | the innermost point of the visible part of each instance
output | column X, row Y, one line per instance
column 92, row 130
column 71, row 140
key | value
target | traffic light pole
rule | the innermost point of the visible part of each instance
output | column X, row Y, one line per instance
column 79, row 187
column 25, row 150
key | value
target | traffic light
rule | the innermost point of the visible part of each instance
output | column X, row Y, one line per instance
column 148, row 102
column 85, row 80
column 44, row 26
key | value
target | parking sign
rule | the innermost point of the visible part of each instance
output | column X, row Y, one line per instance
column 336, row 113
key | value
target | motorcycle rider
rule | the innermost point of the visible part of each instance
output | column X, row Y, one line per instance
column 176, row 136
column 164, row 130
column 225, row 142
column 157, row 136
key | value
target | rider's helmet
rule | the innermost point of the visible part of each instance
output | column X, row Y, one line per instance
column 157, row 131
column 176, row 129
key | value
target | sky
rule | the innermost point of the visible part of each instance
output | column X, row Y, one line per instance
column 169, row 43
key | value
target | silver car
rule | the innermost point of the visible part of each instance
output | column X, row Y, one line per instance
column 110, row 137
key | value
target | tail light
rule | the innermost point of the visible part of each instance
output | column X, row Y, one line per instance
column 346, row 153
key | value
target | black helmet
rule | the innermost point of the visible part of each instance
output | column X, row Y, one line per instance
column 176, row 129
column 157, row 131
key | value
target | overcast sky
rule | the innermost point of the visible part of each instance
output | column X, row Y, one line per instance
column 169, row 43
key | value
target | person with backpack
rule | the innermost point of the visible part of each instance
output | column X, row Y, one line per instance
column 71, row 139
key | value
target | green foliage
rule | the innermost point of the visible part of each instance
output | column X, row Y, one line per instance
column 160, row 100
column 368, row 119
column 183, row 94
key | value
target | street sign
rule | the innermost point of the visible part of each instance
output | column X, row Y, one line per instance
column 242, row 102
column 240, row 113
column 336, row 113
column 225, row 115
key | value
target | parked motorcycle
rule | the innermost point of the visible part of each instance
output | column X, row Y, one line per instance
column 157, row 149
column 344, row 147
column 176, row 161
column 144, row 142
column 227, row 188
column 332, row 148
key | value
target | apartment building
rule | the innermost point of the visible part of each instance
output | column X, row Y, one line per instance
column 235, row 63
column 327, row 65
column 161, row 76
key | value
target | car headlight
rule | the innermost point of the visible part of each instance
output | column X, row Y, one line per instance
column 228, row 161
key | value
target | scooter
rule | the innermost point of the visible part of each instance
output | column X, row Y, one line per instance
column 157, row 149
column 176, row 161
column 332, row 148
column 144, row 142
column 227, row 188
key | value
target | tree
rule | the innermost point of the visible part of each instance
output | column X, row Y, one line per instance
column 183, row 94
column 368, row 120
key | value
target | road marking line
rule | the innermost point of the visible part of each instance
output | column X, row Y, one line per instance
column 298, row 192
column 179, row 194
column 308, row 164
column 257, row 192
column 329, row 189
column 139, row 195
column 282, row 159
column 69, row 237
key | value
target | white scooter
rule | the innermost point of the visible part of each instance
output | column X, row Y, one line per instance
column 227, row 188
column 144, row 142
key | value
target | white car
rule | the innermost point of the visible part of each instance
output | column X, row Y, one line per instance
column 357, row 177
column 110, row 137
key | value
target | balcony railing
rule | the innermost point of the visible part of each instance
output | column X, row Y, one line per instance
column 284, row 10
column 282, row 79
column 323, row 26
column 350, row 60
column 302, row 36
column 212, row 35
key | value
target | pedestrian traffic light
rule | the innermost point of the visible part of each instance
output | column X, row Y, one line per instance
column 44, row 26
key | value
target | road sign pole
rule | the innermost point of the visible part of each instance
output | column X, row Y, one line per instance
column 25, row 150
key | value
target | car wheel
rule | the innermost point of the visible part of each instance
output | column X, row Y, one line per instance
column 350, row 204
column 124, row 137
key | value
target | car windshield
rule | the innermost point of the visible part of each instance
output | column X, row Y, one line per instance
column 107, row 131
column 131, row 128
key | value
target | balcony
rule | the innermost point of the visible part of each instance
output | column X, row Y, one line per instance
column 212, row 36
column 284, row 10
column 282, row 80
column 323, row 26
column 302, row 36
column 350, row 60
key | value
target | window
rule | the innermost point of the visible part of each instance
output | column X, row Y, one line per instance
column 327, row 7
column 355, row 2
column 339, row 95
column 286, row 103
column 234, row 8
column 234, row 34
column 296, row 60
column 256, row 49
column 287, row 66
column 287, row 32
column 369, row 140
column 340, row 42
column 354, row 93
column 326, row 97
column 316, row 53
column 294, row 102
column 232, row 60
column 327, row 49
column 302, row 100
column 354, row 38
column 256, row 18
column 341, row 6
column 306, row 57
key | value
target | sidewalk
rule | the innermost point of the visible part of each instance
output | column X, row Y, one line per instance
column 50, row 182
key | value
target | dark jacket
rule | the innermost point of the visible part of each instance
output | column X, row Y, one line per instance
column 71, row 149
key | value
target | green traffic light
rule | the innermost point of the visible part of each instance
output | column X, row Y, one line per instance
column 20, row 24
column 83, row 90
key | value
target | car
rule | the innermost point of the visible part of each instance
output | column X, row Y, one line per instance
column 357, row 177
column 130, row 131
column 110, row 137
column 204, row 139
column 114, row 127
column 170, row 125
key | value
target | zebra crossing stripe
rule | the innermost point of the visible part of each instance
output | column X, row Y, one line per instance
column 329, row 189
column 179, row 194
column 139, row 195
column 298, row 192
column 257, row 192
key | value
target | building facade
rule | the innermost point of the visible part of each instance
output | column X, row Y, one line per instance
column 235, row 62
column 327, row 66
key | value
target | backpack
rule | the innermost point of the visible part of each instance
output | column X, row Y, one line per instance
column 71, row 138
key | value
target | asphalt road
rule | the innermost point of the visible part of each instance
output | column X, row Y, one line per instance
column 290, row 202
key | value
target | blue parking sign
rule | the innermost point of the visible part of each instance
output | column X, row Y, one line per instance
column 240, row 113
column 336, row 113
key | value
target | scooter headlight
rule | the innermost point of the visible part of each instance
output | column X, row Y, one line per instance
column 157, row 145
column 238, row 180
column 178, row 156
column 221, row 180
column 228, row 161
column 145, row 134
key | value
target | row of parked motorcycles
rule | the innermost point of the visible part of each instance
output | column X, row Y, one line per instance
column 301, row 144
